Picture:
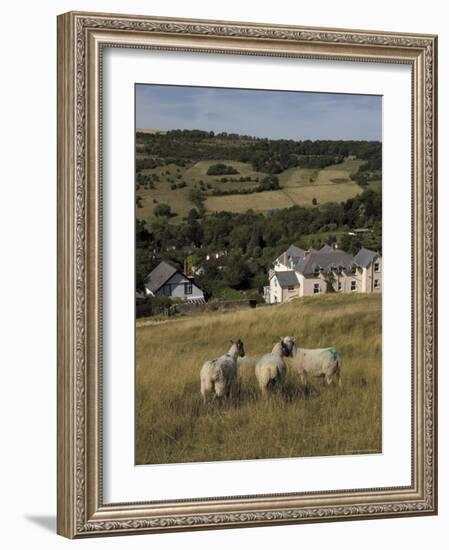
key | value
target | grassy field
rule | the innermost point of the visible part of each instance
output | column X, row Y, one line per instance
column 284, row 198
column 299, row 186
column 199, row 171
column 173, row 425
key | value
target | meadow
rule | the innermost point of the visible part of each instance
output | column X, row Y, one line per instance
column 174, row 426
column 299, row 186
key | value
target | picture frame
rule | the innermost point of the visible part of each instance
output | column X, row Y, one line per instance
column 82, row 40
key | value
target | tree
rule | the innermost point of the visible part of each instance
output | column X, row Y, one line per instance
column 220, row 169
column 163, row 210
column 269, row 183
column 193, row 215
column 237, row 274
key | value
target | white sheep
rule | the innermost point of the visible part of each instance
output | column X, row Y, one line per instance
column 219, row 376
column 325, row 362
column 271, row 368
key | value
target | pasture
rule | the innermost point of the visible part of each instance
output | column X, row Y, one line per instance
column 284, row 198
column 299, row 186
column 174, row 426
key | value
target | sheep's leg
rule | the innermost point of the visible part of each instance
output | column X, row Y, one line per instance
column 206, row 389
column 328, row 379
column 205, row 392
column 303, row 378
column 338, row 375
column 220, row 388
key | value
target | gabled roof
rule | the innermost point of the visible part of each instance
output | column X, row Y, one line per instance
column 293, row 253
column 286, row 278
column 324, row 260
column 326, row 248
column 159, row 276
column 365, row 256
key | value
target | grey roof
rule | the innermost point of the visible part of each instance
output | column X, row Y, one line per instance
column 159, row 276
column 324, row 260
column 326, row 248
column 364, row 257
column 293, row 253
column 286, row 278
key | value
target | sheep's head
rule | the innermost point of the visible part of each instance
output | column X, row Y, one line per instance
column 240, row 349
column 288, row 345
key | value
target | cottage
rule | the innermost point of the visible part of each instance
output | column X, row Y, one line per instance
column 298, row 273
column 166, row 280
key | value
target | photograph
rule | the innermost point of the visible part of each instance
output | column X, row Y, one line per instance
column 258, row 274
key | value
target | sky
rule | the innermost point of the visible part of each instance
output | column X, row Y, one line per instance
column 261, row 113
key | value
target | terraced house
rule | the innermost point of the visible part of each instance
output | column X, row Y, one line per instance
column 298, row 273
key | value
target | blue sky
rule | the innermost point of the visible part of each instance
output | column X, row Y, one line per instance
column 272, row 114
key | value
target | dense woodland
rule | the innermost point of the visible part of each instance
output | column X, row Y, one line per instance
column 250, row 241
column 266, row 155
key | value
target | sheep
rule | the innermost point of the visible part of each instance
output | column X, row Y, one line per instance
column 271, row 368
column 219, row 376
column 325, row 362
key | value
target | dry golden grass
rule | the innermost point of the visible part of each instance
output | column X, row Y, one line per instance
column 173, row 425
column 284, row 198
column 304, row 196
column 298, row 177
column 340, row 171
column 259, row 202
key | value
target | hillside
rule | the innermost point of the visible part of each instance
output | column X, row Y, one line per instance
column 172, row 165
column 173, row 425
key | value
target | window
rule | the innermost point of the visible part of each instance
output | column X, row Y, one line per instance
column 353, row 269
column 290, row 288
column 376, row 283
column 166, row 291
column 353, row 285
column 316, row 288
column 376, row 267
column 316, row 270
column 340, row 286
column 188, row 288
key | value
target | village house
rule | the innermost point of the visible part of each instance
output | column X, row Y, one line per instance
column 166, row 280
column 298, row 272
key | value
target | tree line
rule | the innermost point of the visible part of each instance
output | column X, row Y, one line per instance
column 265, row 155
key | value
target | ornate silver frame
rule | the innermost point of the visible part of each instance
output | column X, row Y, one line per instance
column 81, row 37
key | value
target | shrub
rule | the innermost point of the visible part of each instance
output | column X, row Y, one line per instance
column 220, row 169
column 163, row 210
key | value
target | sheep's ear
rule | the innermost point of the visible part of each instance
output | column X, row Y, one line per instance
column 232, row 341
column 281, row 339
column 293, row 340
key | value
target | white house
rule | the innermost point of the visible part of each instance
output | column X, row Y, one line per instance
column 166, row 280
column 298, row 273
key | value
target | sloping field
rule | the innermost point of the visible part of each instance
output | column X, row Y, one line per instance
column 339, row 173
column 173, row 425
column 299, row 186
column 199, row 170
column 284, row 198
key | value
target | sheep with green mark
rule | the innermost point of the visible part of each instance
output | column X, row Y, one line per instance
column 319, row 362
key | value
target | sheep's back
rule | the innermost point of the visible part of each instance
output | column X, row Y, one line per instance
column 270, row 365
column 314, row 361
